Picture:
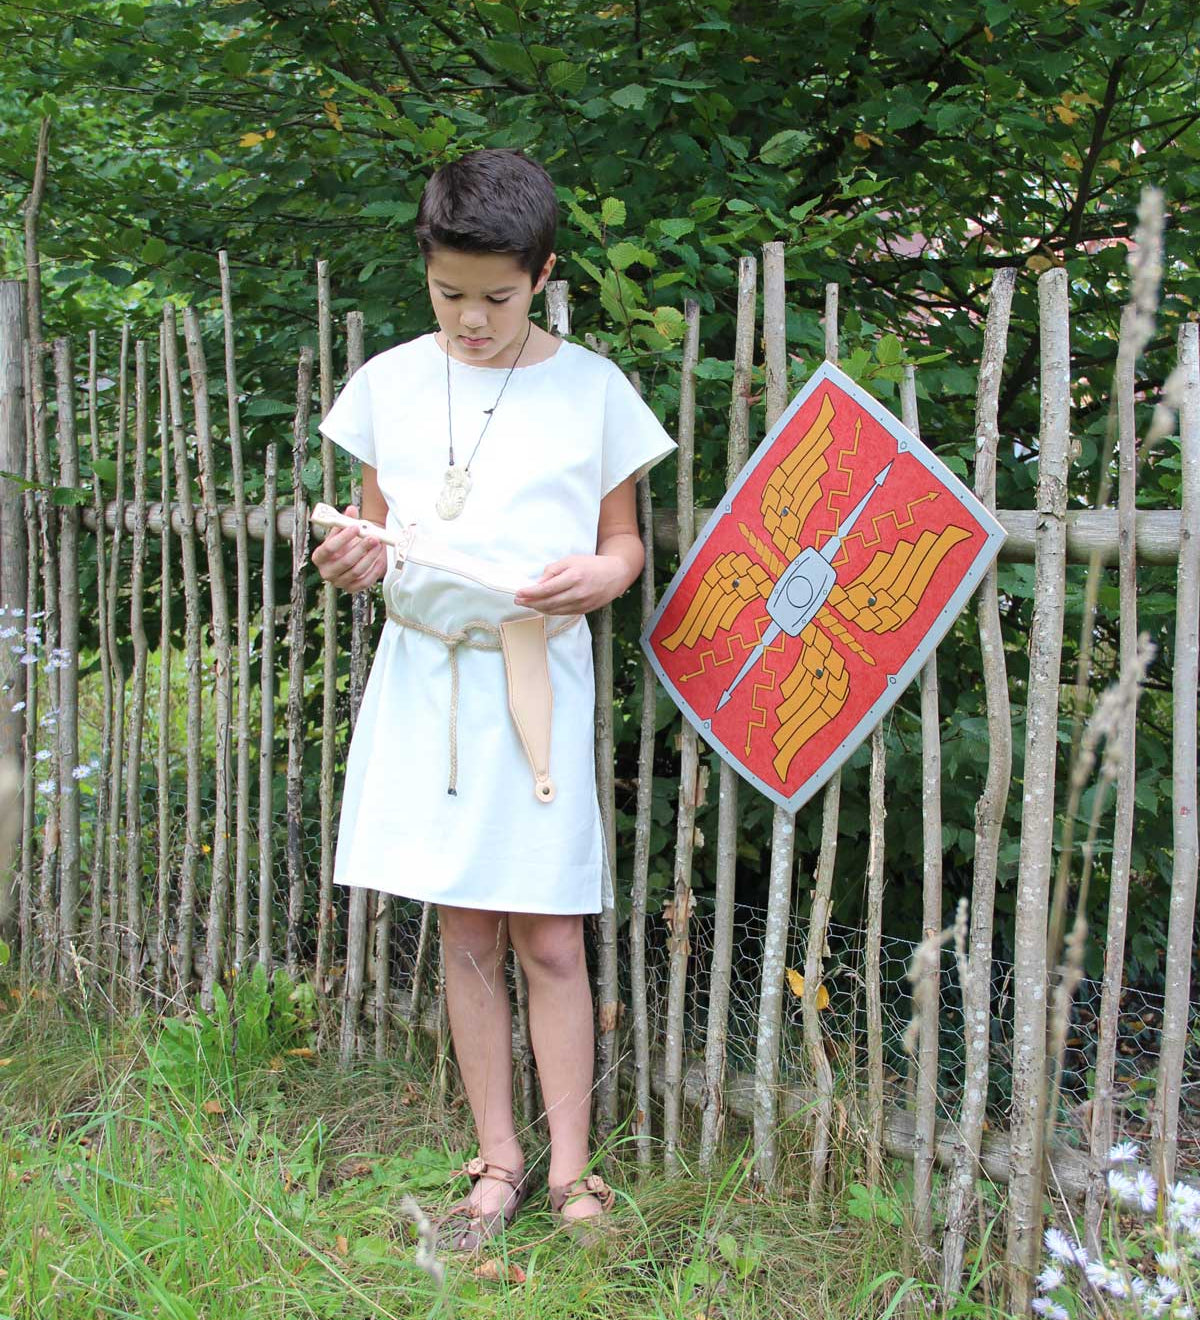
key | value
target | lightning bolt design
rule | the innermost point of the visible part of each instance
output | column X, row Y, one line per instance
column 760, row 686
column 760, row 627
column 843, row 558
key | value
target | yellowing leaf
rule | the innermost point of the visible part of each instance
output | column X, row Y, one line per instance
column 341, row 1245
column 270, row 132
column 250, row 139
column 1067, row 116
column 1071, row 161
column 5, row 1062
column 213, row 1106
column 751, row 59
column 303, row 1052
column 989, row 35
column 331, row 111
column 1038, row 263
column 863, row 140
column 795, row 982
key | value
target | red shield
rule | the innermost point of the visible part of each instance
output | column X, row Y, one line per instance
column 833, row 566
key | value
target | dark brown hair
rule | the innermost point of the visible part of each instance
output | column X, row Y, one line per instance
column 490, row 201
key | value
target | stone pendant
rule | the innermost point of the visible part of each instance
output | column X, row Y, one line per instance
column 456, row 485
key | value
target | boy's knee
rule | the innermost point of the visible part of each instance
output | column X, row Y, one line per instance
column 473, row 937
column 549, row 946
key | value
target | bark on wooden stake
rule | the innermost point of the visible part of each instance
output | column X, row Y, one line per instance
column 931, row 804
column 29, row 743
column 100, row 818
column 818, row 922
column 876, row 814
column 135, row 933
column 68, row 709
column 1037, row 815
column 989, row 811
column 12, row 526
column 361, row 606
column 1101, row 1132
column 1181, row 927
column 783, row 823
column 266, row 718
column 241, row 868
column 608, row 1007
column 191, row 613
column 325, row 910
column 216, row 950
column 116, row 664
column 295, row 701
column 639, row 1125
column 163, row 758
column 713, row 1111
column 679, row 913
column 361, row 899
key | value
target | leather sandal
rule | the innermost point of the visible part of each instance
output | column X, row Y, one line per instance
column 584, row 1229
column 465, row 1226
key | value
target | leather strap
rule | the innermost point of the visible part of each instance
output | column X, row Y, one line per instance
column 530, row 696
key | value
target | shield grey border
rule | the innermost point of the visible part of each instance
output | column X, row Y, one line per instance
column 906, row 443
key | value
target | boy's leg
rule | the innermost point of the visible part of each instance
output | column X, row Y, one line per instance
column 560, row 1024
column 475, row 945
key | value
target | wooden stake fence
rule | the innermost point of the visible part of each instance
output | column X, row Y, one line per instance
column 133, row 927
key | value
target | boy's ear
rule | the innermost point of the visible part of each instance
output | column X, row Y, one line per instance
column 545, row 275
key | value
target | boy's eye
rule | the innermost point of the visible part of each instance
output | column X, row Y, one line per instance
column 454, row 297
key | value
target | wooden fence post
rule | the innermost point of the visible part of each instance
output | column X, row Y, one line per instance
column 989, row 811
column 135, row 934
column 67, row 790
column 1037, row 816
column 783, row 822
column 1181, row 928
column 13, row 553
column 721, row 959
column 679, row 918
column 819, row 916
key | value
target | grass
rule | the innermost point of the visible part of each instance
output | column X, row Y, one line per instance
column 134, row 1186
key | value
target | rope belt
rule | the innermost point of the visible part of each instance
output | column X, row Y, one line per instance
column 529, row 691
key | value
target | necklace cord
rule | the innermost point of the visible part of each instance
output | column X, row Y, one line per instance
column 490, row 411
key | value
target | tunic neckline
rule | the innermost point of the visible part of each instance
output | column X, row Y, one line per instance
column 442, row 354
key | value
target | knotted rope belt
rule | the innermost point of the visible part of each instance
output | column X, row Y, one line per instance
column 526, row 663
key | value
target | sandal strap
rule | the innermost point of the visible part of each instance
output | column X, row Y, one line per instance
column 592, row 1185
column 478, row 1167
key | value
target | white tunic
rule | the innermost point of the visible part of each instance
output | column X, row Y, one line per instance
column 567, row 431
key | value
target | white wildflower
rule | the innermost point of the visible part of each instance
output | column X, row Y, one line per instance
column 29, row 658
column 47, row 786
column 16, row 648
column 1167, row 1260
column 1124, row 1152
column 1060, row 1246
column 20, row 614
column 20, row 706
column 81, row 772
column 9, row 632
column 44, row 755
column 1122, row 1186
column 1167, row 1289
column 1052, row 1310
column 1147, row 1191
column 1050, row 1278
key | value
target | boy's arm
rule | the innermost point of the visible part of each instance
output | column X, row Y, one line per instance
column 581, row 583
column 346, row 557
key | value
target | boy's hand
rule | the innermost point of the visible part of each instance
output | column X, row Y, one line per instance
column 576, row 585
column 350, row 559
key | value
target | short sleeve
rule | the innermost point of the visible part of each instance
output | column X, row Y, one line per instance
column 348, row 422
column 634, row 438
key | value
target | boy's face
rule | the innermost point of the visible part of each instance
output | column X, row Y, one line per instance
column 481, row 301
